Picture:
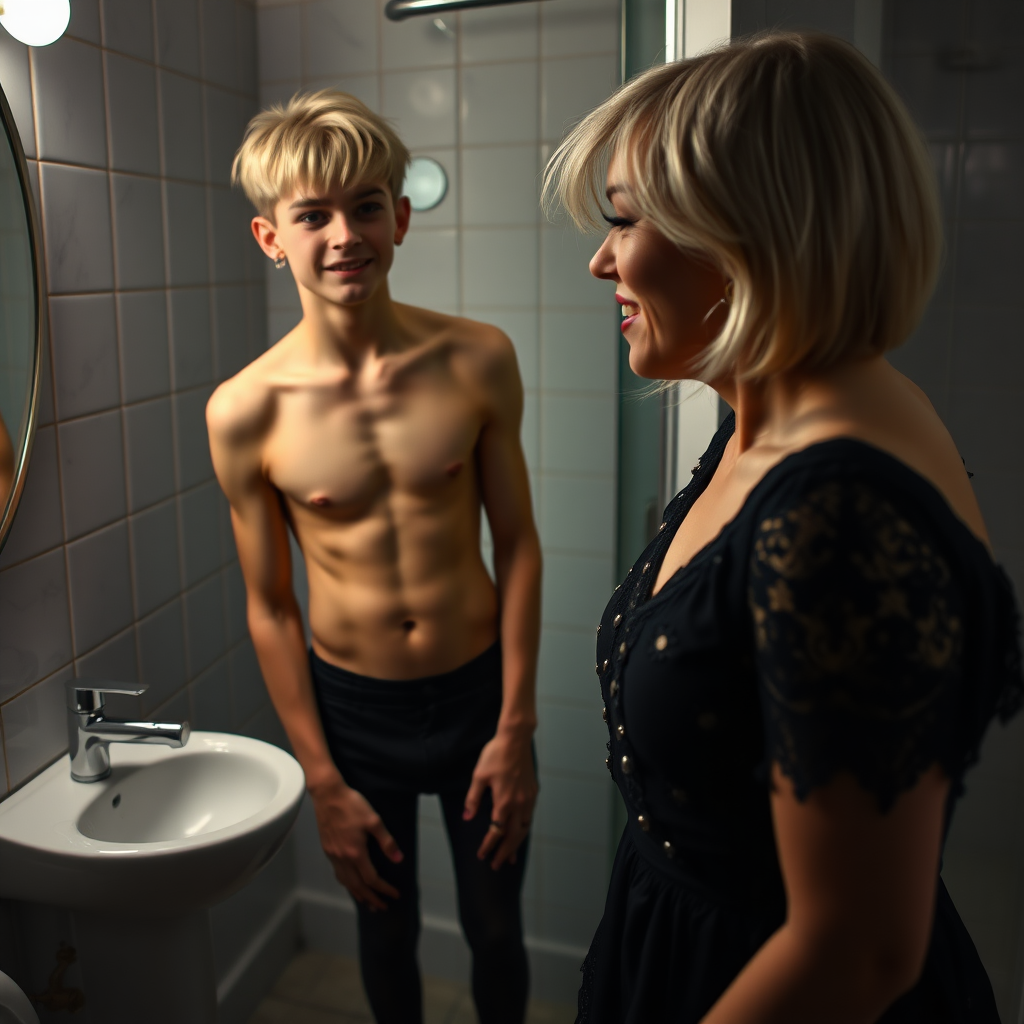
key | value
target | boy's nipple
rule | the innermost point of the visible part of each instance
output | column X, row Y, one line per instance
column 320, row 501
column 454, row 469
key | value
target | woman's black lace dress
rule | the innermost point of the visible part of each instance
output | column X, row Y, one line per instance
column 845, row 620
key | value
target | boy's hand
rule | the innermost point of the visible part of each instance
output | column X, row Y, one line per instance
column 506, row 766
column 344, row 817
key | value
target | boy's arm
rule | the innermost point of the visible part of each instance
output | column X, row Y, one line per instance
column 275, row 625
column 506, row 762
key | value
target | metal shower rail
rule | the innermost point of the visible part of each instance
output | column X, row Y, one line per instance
column 399, row 10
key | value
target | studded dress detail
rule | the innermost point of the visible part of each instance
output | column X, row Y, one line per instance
column 844, row 621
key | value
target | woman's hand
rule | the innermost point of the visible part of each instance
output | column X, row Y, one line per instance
column 344, row 817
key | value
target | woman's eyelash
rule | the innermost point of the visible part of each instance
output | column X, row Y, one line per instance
column 617, row 222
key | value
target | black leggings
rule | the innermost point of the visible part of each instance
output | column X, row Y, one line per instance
column 392, row 741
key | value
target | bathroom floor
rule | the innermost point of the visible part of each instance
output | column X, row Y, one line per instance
column 317, row 988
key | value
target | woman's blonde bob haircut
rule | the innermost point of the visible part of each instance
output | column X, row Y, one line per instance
column 788, row 161
column 315, row 141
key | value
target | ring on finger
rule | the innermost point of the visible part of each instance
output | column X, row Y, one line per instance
column 497, row 827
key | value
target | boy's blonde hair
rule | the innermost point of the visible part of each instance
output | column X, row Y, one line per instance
column 314, row 141
column 789, row 162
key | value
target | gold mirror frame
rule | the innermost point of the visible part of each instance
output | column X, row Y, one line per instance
column 23, row 443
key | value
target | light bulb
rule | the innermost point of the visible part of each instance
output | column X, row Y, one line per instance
column 35, row 22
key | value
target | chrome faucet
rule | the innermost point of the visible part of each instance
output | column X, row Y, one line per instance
column 90, row 732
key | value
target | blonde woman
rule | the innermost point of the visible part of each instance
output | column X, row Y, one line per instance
column 799, row 669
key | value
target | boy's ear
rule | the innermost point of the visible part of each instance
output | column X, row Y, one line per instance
column 266, row 235
column 403, row 211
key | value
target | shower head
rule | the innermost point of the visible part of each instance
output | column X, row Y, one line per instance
column 399, row 10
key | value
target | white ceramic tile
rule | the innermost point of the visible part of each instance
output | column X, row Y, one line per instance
column 364, row 87
column 218, row 42
column 14, row 73
column 224, row 128
column 149, row 440
column 181, row 119
column 571, row 739
column 248, row 693
column 92, row 472
column 85, row 20
column 200, row 532
column 281, row 321
column 499, row 267
column 76, row 202
column 191, row 344
column 499, row 104
column 500, row 185
column 131, row 98
column 35, row 631
column 246, row 48
column 282, row 92
column 256, row 319
column 418, row 43
column 46, row 413
column 340, row 37
column 580, row 26
column 234, row 602
column 193, row 446
column 155, row 562
column 575, row 810
column 578, row 514
column 204, row 625
column 230, row 349
column 186, row 233
column 530, row 435
column 83, row 333
column 70, row 116
column 35, row 728
column 177, row 35
column 578, row 434
column 571, row 87
column 281, row 290
column 210, row 699
column 279, row 31
column 425, row 271
column 579, row 351
column 506, row 33
column 521, row 327
column 565, row 275
column 565, row 668
column 229, row 231
column 145, row 366
column 446, row 213
column 128, row 27
column 99, row 581
column 576, row 589
column 161, row 640
column 421, row 105
column 115, row 661
column 138, row 232
column 37, row 525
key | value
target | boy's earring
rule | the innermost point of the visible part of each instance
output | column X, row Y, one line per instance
column 730, row 290
column 281, row 262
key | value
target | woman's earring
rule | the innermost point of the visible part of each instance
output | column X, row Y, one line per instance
column 281, row 262
column 730, row 290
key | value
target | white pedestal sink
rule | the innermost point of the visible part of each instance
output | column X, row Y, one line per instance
column 139, row 855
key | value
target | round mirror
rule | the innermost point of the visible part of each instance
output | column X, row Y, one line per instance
column 21, row 319
column 425, row 183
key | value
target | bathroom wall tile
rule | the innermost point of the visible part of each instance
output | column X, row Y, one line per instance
column 989, row 263
column 365, row 88
column 220, row 59
column 256, row 320
column 340, row 37
column 99, row 582
column 38, row 526
column 46, row 403
column 266, row 726
column 248, row 692
column 931, row 92
column 35, row 728
column 174, row 710
column 230, row 348
column 991, row 112
column 576, row 589
column 247, row 49
column 580, row 26
column 984, row 337
column 181, row 121
column 138, row 232
column 578, row 434
column 200, row 532
column 229, row 230
column 14, row 73
column 580, row 350
column 77, row 229
column 191, row 348
column 35, row 629
column 530, row 436
column 571, row 87
column 280, row 285
column 425, row 272
column 177, row 35
column 418, row 43
column 976, row 416
column 500, row 185
column 522, row 327
column 70, row 118
column 282, row 92
column 281, row 321
column 568, row 926
column 223, row 132
column 210, row 700
column 115, row 661
column 565, row 277
column 155, row 561
column 509, row 33
column 575, row 810
column 131, row 100
column 128, row 27
column 993, row 172
column 85, row 21
column 145, row 365
column 185, row 207
column 499, row 104
column 499, row 267
column 1001, row 496
column 575, row 875
column 421, row 105
column 572, row 740
column 578, row 514
column 161, row 640
column 204, row 625
column 919, row 26
column 946, row 158
column 565, row 669
column 193, row 446
column 149, row 443
column 92, row 472
column 83, row 333
column 234, row 603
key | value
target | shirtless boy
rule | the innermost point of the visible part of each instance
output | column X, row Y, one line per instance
column 375, row 431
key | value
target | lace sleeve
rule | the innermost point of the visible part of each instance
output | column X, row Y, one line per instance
column 859, row 631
